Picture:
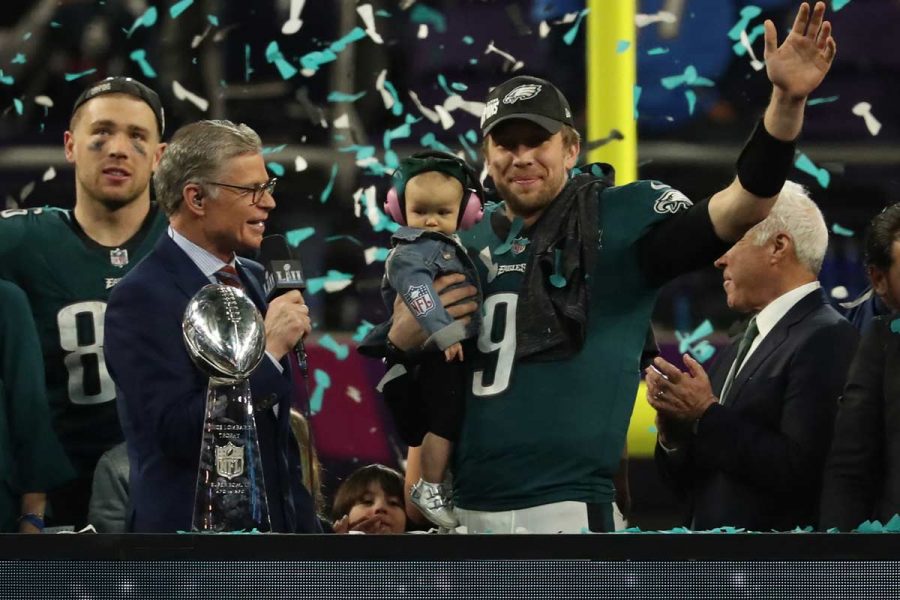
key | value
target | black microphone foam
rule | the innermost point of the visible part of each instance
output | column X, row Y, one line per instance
column 284, row 271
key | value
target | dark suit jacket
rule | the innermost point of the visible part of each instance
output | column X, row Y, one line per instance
column 756, row 462
column 862, row 475
column 161, row 398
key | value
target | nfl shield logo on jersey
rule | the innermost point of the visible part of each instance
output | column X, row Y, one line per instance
column 229, row 460
column 419, row 300
column 118, row 257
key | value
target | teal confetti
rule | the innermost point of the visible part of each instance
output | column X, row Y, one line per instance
column 274, row 56
column 213, row 20
column 362, row 152
column 273, row 149
column 442, row 81
column 334, row 238
column 341, row 351
column 313, row 60
column 824, row 100
column 55, row 24
column 74, row 76
column 362, row 330
column 398, row 133
column 837, row 5
column 473, row 61
column 748, row 13
column 248, row 70
column 296, row 236
column 569, row 36
column 652, row 429
column 429, row 16
column 429, row 140
column 895, row 325
column 275, row 168
column 327, row 191
column 317, row 284
column 622, row 46
column 397, row 107
column 381, row 254
column 837, row 229
column 140, row 57
column 740, row 49
column 27, row 36
column 18, row 59
column 342, row 97
column 657, row 51
column 472, row 136
column 689, row 77
column 179, row 7
column 691, row 96
column 468, row 40
column 468, row 148
column 323, row 382
column 806, row 165
column 637, row 98
column 459, row 87
column 18, row 104
column 391, row 160
column 893, row 525
column 148, row 19
column 686, row 340
column 382, row 13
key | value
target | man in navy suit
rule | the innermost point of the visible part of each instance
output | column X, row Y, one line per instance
column 213, row 185
column 748, row 448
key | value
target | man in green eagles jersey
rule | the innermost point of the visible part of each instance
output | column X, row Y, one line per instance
column 68, row 261
column 570, row 269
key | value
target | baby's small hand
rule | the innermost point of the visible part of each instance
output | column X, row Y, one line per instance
column 453, row 352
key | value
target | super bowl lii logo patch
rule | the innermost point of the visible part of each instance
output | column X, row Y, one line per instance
column 519, row 245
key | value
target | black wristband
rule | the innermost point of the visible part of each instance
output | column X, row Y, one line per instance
column 764, row 163
column 393, row 353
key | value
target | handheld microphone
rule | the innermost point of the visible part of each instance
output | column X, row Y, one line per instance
column 284, row 272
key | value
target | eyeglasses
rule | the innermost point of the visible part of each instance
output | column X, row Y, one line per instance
column 256, row 190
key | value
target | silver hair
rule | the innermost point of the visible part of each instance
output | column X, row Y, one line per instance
column 795, row 214
column 196, row 154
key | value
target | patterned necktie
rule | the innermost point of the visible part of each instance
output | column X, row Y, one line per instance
column 228, row 275
column 743, row 349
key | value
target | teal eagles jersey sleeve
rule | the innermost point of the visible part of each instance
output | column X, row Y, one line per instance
column 31, row 457
column 669, row 234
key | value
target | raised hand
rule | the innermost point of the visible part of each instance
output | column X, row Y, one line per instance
column 799, row 65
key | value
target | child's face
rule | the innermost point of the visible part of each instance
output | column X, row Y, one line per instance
column 376, row 504
column 432, row 203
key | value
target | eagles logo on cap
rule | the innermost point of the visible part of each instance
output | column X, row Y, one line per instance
column 522, row 92
column 529, row 98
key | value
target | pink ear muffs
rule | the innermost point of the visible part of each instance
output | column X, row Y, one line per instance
column 471, row 210
column 392, row 207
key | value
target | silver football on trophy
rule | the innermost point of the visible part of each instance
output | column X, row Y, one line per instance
column 224, row 332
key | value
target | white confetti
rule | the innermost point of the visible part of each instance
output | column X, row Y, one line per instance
column 300, row 164
column 367, row 15
column 294, row 22
column 568, row 18
column 429, row 114
column 470, row 106
column 447, row 121
column 543, row 29
column 354, row 394
column 342, row 122
column 183, row 94
column 26, row 191
column 386, row 96
column 864, row 110
column 371, row 254
column 49, row 174
column 423, row 31
column 336, row 286
column 516, row 64
column 372, row 212
column 663, row 16
column 373, row 429
column 45, row 101
column 745, row 42
column 839, row 292
column 198, row 39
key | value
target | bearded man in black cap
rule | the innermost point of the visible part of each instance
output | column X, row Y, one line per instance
column 67, row 261
column 570, row 268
